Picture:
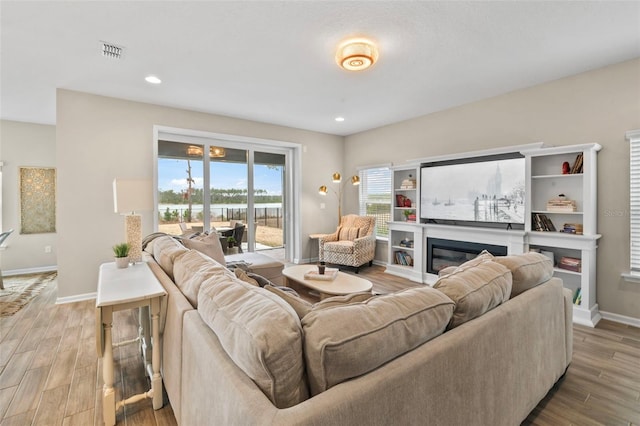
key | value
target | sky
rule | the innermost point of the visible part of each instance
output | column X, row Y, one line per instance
column 172, row 174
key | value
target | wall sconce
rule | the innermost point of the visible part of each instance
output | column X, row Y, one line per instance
column 130, row 196
column 337, row 178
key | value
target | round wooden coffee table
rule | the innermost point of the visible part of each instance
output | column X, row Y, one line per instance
column 341, row 285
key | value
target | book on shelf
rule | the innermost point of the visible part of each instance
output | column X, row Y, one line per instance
column 403, row 258
column 577, row 165
column 570, row 264
column 540, row 222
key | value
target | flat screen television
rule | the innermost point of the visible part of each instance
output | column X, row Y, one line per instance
column 481, row 190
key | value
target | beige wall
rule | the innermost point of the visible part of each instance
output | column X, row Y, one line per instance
column 100, row 138
column 597, row 106
column 30, row 145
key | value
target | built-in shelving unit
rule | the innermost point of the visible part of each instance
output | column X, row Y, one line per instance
column 544, row 181
column 405, row 237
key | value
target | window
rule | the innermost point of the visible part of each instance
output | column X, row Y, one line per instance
column 375, row 197
column 634, row 197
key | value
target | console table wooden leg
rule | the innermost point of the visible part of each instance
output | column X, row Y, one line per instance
column 156, row 380
column 108, row 393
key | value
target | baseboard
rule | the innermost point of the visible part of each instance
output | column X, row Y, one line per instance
column 75, row 298
column 622, row 319
column 8, row 273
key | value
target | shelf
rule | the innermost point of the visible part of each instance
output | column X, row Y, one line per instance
column 566, row 271
column 405, row 208
column 569, row 175
column 405, row 189
column 402, row 248
column 552, row 212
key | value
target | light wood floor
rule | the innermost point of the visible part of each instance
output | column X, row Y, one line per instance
column 50, row 373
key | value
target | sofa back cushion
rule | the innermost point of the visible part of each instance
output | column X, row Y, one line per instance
column 302, row 307
column 165, row 251
column 192, row 269
column 475, row 287
column 346, row 341
column 261, row 333
column 528, row 270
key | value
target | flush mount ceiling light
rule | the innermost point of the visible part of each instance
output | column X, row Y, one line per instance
column 152, row 79
column 339, row 119
column 356, row 54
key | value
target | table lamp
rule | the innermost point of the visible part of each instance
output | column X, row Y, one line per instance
column 129, row 196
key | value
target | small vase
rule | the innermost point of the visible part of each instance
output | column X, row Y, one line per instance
column 122, row 262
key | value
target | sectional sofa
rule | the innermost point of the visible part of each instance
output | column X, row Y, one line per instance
column 482, row 348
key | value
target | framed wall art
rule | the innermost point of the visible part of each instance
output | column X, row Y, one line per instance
column 37, row 200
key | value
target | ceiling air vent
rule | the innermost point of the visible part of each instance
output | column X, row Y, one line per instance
column 110, row 50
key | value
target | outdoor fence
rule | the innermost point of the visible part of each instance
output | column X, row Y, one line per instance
column 265, row 216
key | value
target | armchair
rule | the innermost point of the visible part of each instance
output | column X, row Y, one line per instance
column 353, row 243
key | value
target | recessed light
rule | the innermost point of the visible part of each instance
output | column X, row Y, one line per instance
column 153, row 79
column 339, row 119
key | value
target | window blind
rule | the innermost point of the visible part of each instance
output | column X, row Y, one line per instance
column 375, row 197
column 634, row 199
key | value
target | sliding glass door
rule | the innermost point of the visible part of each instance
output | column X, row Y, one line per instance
column 234, row 184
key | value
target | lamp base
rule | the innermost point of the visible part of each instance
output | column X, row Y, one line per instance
column 133, row 232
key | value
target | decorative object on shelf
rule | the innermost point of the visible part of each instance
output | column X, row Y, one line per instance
column 566, row 168
column 337, row 178
column 129, row 196
column 570, row 264
column 330, row 274
column 561, row 204
column 400, row 200
column 572, row 228
column 409, row 215
column 356, row 54
column 321, row 268
column 121, row 254
column 406, row 243
column 408, row 202
column 409, row 183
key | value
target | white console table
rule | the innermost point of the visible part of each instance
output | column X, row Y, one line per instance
column 120, row 289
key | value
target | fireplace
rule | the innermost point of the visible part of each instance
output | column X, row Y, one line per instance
column 442, row 253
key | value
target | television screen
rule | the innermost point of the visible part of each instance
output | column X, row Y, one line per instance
column 479, row 191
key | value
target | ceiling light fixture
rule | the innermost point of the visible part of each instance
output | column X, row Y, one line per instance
column 152, row 79
column 356, row 54
column 339, row 119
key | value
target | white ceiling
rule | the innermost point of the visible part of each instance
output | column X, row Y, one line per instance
column 274, row 61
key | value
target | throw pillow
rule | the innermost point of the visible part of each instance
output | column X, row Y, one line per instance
column 348, row 341
column 244, row 277
column 262, row 335
column 348, row 233
column 209, row 245
column 475, row 289
column 528, row 270
column 301, row 306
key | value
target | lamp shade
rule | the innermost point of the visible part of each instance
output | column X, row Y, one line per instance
column 130, row 195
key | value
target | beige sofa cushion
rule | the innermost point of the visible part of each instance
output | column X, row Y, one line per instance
column 165, row 251
column 528, row 270
column 208, row 244
column 302, row 307
column 262, row 335
column 192, row 269
column 475, row 287
column 347, row 341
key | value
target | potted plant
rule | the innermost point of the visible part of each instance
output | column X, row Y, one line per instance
column 231, row 244
column 121, row 254
column 408, row 214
